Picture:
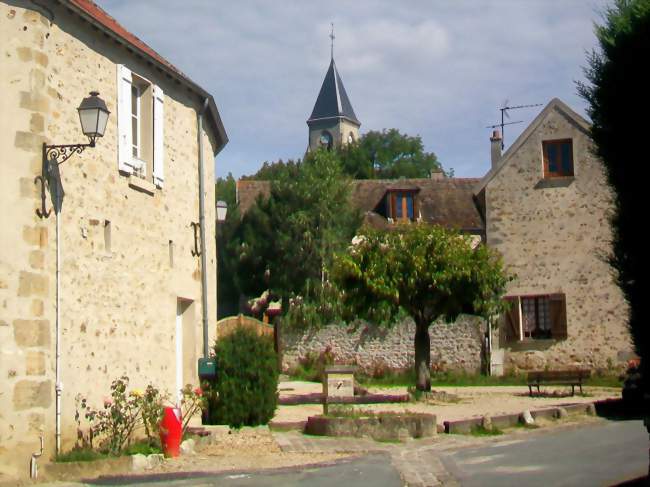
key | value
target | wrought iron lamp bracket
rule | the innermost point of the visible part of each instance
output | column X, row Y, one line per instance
column 57, row 154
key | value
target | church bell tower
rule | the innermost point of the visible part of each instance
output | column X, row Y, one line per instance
column 333, row 122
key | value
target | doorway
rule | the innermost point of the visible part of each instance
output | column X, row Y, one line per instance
column 186, row 357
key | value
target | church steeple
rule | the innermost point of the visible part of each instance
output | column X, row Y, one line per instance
column 332, row 122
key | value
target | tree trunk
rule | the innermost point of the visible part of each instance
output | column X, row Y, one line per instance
column 422, row 357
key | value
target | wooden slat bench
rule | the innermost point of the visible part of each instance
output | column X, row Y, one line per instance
column 571, row 378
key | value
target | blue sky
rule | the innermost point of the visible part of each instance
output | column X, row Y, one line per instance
column 439, row 69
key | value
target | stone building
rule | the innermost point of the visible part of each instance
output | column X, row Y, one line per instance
column 547, row 204
column 129, row 296
column 545, row 207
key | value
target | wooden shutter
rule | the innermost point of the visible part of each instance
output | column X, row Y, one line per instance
column 557, row 308
column 158, row 137
column 512, row 320
column 124, row 140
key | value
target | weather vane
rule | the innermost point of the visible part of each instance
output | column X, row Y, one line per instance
column 332, row 39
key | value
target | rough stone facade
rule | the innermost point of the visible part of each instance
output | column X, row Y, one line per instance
column 456, row 346
column 555, row 236
column 119, row 298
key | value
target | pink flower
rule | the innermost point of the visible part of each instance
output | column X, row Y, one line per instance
column 108, row 402
column 198, row 391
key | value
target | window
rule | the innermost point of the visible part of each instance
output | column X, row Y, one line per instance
column 140, row 127
column 401, row 205
column 558, row 158
column 536, row 317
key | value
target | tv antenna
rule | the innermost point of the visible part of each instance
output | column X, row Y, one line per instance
column 504, row 114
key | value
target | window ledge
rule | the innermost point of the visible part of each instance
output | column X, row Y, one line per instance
column 558, row 182
column 532, row 344
column 142, row 185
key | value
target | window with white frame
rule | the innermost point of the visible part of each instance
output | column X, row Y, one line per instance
column 140, row 124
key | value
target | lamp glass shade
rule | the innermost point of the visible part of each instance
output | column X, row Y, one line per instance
column 222, row 210
column 93, row 115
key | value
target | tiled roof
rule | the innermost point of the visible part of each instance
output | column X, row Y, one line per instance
column 448, row 201
column 101, row 16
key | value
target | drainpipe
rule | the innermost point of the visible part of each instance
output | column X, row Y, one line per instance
column 204, row 266
column 58, row 386
column 33, row 466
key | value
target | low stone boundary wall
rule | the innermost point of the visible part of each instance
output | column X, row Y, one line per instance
column 382, row 427
column 464, row 426
column 454, row 346
column 319, row 398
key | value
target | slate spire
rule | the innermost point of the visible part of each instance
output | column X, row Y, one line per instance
column 333, row 101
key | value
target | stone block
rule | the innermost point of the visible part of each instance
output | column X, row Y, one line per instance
column 29, row 141
column 32, row 333
column 32, row 284
column 32, row 394
column 37, row 259
column 36, row 307
column 28, row 189
column 24, row 54
column 35, row 363
column 36, row 102
column 35, row 236
column 36, row 122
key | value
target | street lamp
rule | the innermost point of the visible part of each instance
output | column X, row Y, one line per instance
column 222, row 210
column 93, row 116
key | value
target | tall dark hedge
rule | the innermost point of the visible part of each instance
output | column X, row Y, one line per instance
column 619, row 104
column 247, row 380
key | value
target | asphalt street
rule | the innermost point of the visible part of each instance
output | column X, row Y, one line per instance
column 368, row 471
column 595, row 455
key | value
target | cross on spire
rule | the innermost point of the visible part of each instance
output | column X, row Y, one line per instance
column 332, row 40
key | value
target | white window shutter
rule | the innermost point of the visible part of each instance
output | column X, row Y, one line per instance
column 124, row 142
column 158, row 136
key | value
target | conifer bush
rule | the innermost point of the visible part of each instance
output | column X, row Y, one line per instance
column 244, row 392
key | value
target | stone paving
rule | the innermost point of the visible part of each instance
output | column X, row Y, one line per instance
column 417, row 461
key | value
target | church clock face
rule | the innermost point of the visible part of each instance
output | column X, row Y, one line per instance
column 325, row 139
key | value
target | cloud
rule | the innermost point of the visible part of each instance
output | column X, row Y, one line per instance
column 437, row 69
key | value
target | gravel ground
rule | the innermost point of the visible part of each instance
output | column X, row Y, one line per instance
column 474, row 401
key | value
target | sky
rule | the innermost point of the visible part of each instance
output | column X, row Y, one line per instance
column 440, row 69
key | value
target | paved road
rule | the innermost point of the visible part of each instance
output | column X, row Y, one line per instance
column 601, row 454
column 373, row 470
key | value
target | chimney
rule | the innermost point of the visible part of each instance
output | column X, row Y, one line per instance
column 495, row 148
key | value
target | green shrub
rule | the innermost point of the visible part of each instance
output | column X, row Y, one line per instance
column 80, row 454
column 247, row 380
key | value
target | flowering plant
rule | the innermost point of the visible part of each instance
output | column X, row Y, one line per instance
column 192, row 402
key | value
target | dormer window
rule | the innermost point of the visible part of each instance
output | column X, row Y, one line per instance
column 401, row 205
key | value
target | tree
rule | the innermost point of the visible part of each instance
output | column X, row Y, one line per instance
column 388, row 154
column 426, row 272
column 619, row 102
column 287, row 240
column 226, row 190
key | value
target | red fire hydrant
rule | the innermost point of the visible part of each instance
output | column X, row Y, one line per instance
column 171, row 432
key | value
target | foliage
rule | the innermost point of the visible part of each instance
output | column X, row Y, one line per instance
column 113, row 424
column 151, row 413
column 425, row 271
column 247, row 379
column 286, row 241
column 388, row 154
column 142, row 448
column 226, row 190
column 192, row 402
column 311, row 368
column 271, row 171
column 79, row 454
column 619, row 101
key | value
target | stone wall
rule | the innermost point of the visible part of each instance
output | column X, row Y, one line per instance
column 118, row 301
column 555, row 236
column 455, row 346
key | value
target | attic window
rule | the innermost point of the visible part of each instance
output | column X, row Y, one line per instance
column 558, row 158
column 401, row 205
